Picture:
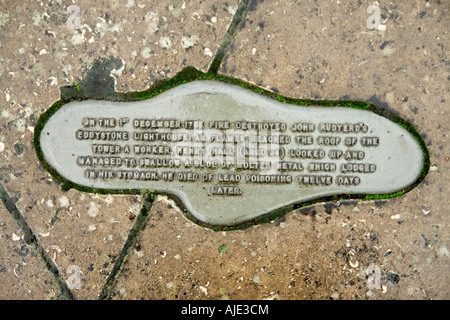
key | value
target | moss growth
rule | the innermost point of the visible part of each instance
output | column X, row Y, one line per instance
column 222, row 249
column 190, row 74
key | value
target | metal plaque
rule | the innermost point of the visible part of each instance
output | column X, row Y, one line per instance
column 229, row 154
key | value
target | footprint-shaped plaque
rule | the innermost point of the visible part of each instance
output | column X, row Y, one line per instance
column 231, row 154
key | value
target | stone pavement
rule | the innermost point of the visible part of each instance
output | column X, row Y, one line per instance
column 57, row 244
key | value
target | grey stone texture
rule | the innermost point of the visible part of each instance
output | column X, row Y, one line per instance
column 23, row 274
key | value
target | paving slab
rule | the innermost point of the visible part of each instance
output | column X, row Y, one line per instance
column 351, row 249
column 330, row 251
column 23, row 275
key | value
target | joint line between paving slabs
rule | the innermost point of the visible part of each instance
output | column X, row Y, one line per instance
column 31, row 240
column 228, row 39
column 148, row 198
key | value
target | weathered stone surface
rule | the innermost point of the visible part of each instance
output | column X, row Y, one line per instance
column 23, row 275
column 321, row 252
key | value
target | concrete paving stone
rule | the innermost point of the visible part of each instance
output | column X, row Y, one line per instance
column 346, row 250
column 330, row 53
column 23, row 275
column 43, row 47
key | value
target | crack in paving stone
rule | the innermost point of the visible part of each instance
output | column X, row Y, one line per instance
column 55, row 217
column 148, row 197
column 31, row 239
column 228, row 39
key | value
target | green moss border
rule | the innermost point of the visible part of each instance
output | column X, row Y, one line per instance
column 190, row 74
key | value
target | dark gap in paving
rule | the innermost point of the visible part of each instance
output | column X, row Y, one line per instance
column 228, row 39
column 31, row 240
column 148, row 199
column 97, row 82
